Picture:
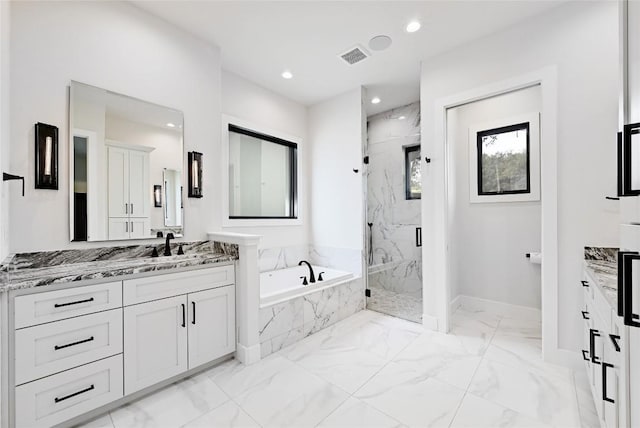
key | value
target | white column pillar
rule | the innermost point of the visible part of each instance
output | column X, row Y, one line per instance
column 247, row 293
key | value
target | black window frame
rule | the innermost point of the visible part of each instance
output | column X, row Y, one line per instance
column 407, row 172
column 503, row 130
column 293, row 173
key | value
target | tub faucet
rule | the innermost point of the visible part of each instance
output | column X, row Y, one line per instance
column 312, row 277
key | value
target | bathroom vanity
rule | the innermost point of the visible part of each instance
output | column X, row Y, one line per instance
column 81, row 338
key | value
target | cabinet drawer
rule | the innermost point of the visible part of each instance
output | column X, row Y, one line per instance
column 50, row 348
column 63, row 396
column 174, row 284
column 55, row 305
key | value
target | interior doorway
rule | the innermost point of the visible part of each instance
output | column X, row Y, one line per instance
column 393, row 213
column 494, row 201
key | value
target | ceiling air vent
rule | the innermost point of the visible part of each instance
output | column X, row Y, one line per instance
column 354, row 55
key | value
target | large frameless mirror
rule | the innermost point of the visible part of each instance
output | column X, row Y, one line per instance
column 124, row 153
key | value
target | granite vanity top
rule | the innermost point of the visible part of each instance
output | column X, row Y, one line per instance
column 602, row 263
column 39, row 269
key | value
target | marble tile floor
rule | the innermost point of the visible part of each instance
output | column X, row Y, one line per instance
column 373, row 370
column 399, row 305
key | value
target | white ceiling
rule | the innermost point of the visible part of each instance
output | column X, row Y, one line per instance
column 260, row 39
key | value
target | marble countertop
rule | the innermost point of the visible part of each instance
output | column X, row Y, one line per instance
column 41, row 269
column 606, row 275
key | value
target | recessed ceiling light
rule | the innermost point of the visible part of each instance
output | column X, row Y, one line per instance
column 287, row 74
column 171, row 125
column 380, row 43
column 402, row 118
column 413, row 26
column 375, row 100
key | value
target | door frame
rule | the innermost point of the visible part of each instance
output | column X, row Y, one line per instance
column 436, row 314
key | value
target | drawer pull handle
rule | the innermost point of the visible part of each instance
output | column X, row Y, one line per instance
column 585, row 284
column 73, row 344
column 614, row 339
column 604, row 383
column 585, row 315
column 77, row 302
column 593, row 333
column 585, row 355
column 66, row 397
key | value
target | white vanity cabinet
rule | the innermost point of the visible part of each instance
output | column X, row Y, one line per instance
column 74, row 350
column 128, row 195
column 604, row 355
column 170, row 335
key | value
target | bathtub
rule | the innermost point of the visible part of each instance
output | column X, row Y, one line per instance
column 284, row 284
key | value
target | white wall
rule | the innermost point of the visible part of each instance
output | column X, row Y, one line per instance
column 580, row 39
column 245, row 100
column 5, row 135
column 115, row 46
column 488, row 241
column 336, row 131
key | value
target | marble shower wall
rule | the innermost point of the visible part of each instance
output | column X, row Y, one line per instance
column 397, row 262
column 283, row 324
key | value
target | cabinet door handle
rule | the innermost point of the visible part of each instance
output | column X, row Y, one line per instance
column 585, row 284
column 194, row 312
column 585, row 315
column 184, row 315
column 627, row 161
column 131, row 208
column 418, row 237
column 604, row 383
column 614, row 339
column 126, row 226
column 592, row 344
column 66, row 397
column 126, row 208
column 77, row 302
column 79, row 342
column 132, row 226
column 585, row 355
column 628, row 316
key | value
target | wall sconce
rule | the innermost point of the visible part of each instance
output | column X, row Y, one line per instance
column 157, row 195
column 46, row 156
column 195, row 174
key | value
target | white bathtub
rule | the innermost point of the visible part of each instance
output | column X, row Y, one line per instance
column 284, row 284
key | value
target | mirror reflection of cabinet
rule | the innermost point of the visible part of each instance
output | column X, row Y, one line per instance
column 128, row 181
column 120, row 147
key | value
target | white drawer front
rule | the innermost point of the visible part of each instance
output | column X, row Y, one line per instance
column 159, row 287
column 63, row 396
column 39, row 308
column 50, row 348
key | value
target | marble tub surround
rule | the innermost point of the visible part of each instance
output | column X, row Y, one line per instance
column 285, row 323
column 373, row 370
column 56, row 267
column 345, row 259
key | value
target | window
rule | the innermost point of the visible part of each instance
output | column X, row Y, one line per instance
column 503, row 160
column 412, row 177
column 262, row 176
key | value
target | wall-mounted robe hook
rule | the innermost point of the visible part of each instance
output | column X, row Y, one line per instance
column 356, row 170
column 7, row 177
column 427, row 160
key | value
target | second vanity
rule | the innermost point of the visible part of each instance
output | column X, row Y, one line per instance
column 81, row 338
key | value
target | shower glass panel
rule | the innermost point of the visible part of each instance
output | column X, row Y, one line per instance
column 394, row 265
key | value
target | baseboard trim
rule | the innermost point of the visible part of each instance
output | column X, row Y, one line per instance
column 500, row 308
column 248, row 354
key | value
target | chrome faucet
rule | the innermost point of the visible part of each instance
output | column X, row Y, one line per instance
column 312, row 277
column 167, row 245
